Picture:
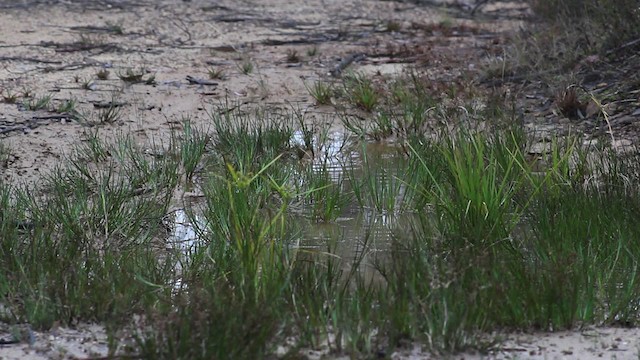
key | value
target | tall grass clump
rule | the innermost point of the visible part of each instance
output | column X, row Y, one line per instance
column 249, row 142
column 325, row 193
column 441, row 269
column 78, row 245
column 475, row 187
column 250, row 285
column 583, row 230
column 505, row 246
column 426, row 298
column 234, row 290
column 193, row 147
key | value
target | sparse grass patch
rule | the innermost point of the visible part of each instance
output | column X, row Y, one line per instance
column 88, row 42
column 216, row 73
column 9, row 98
column 109, row 115
column 361, row 92
column 102, row 74
column 567, row 33
column 293, row 56
column 38, row 103
column 321, row 92
column 94, row 149
column 27, row 93
column 263, row 88
column 84, row 83
column 245, row 66
column 605, row 24
column 408, row 110
column 87, row 220
column 476, row 239
column 67, row 106
column 393, row 26
column 312, row 51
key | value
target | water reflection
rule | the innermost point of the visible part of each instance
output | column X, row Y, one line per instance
column 357, row 233
column 183, row 236
column 332, row 152
column 362, row 240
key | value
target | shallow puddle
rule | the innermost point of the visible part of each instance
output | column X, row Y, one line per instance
column 183, row 236
column 334, row 153
column 357, row 234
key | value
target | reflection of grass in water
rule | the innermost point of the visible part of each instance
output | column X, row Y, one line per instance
column 490, row 244
column 326, row 198
column 378, row 183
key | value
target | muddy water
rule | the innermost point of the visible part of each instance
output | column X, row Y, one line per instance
column 357, row 235
column 363, row 241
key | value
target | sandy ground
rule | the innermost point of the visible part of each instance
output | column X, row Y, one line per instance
column 56, row 48
column 90, row 342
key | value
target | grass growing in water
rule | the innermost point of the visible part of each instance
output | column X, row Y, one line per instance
column 492, row 244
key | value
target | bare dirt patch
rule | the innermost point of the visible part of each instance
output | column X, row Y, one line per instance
column 91, row 55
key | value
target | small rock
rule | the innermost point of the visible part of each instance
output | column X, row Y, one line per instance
column 622, row 145
column 624, row 120
column 592, row 109
column 539, row 148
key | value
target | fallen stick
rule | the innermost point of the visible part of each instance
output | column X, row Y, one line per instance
column 28, row 59
column 345, row 63
column 196, row 81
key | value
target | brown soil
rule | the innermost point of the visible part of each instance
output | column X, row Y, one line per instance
column 56, row 48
